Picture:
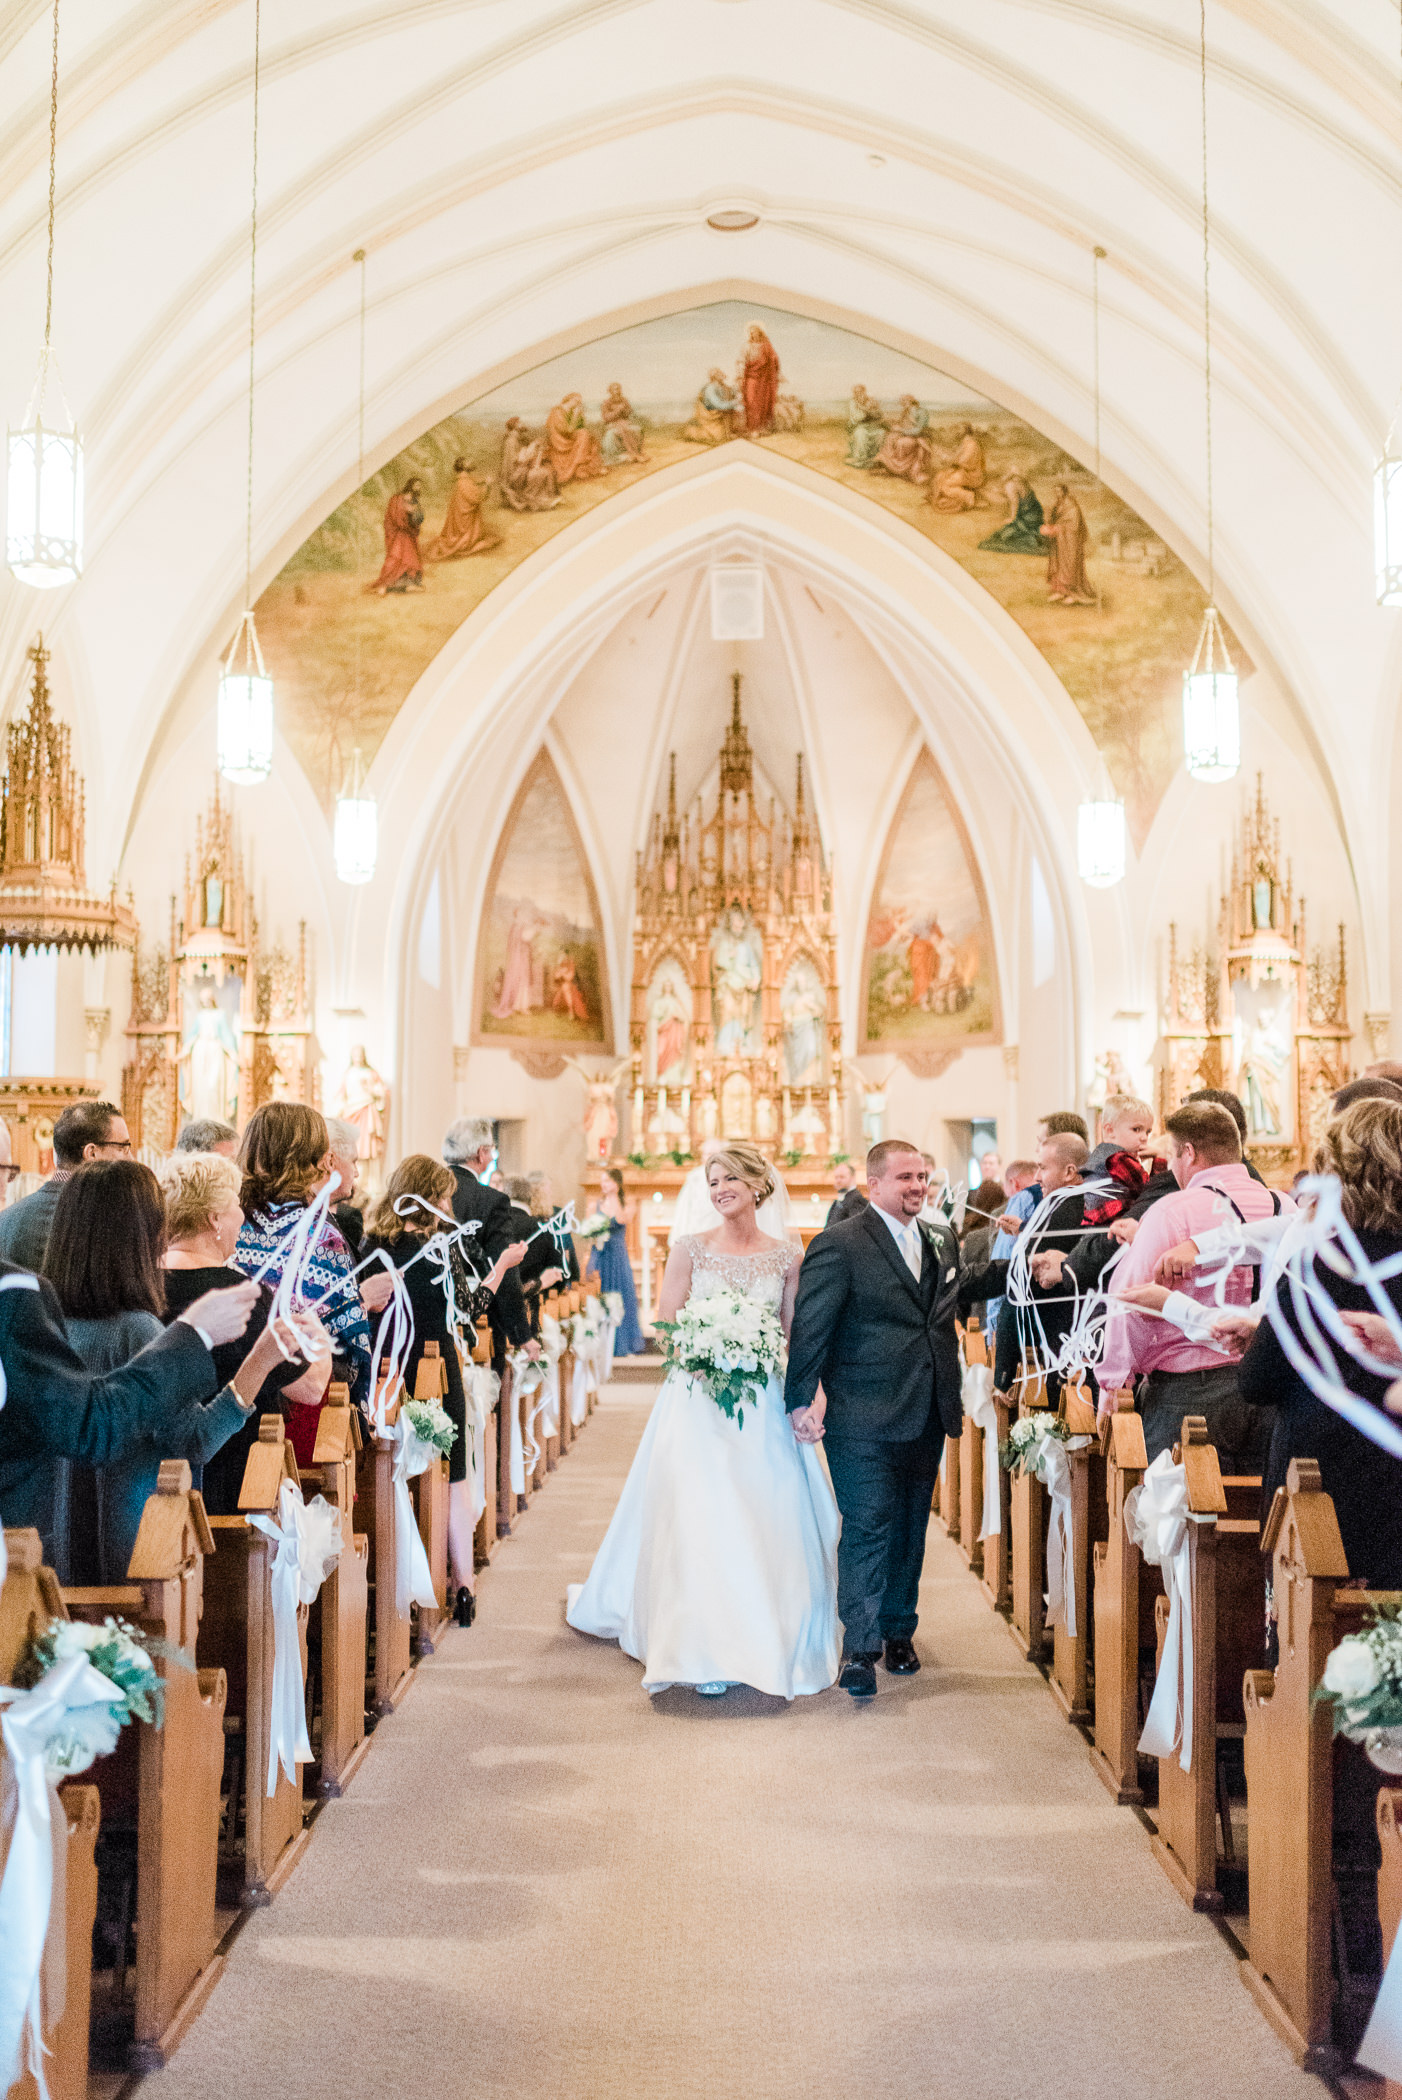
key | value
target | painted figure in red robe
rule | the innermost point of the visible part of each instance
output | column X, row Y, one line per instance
column 761, row 382
column 403, row 569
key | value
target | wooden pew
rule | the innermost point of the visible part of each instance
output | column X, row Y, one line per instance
column 1290, row 1767
column 237, row 1632
column 508, row 1502
column 163, row 1783
column 975, row 1351
column 592, row 1288
column 1072, row 1653
column 29, row 1600
column 1229, row 1612
column 336, row 1630
column 1028, row 1531
column 391, row 1665
column 484, row 1543
column 997, row 1575
column 551, row 1441
column 569, row 1305
column 430, row 1491
column 947, row 1493
column 1125, row 1589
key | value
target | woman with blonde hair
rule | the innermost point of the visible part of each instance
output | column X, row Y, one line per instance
column 720, row 1564
column 400, row 1227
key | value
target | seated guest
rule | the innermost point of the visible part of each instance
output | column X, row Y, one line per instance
column 345, row 1164
column 55, row 1410
column 203, row 1222
column 469, row 1149
column 844, row 1180
column 402, row 1237
column 1180, row 1376
column 104, row 1264
column 208, row 1134
column 285, row 1157
column 87, row 1130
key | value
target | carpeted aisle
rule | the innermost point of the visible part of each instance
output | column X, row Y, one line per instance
column 542, row 1884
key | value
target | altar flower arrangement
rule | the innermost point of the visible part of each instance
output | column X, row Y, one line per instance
column 1024, row 1449
column 1363, row 1681
column 119, row 1654
column 730, row 1343
column 431, row 1425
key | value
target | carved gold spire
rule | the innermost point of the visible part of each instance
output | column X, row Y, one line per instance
column 44, row 899
column 737, row 763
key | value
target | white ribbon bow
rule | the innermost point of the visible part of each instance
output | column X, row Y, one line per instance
column 413, row 1578
column 1381, row 2047
column 982, row 1411
column 1054, row 1470
column 1156, row 1518
column 580, row 1380
column 34, row 1817
column 307, row 1542
column 481, row 1386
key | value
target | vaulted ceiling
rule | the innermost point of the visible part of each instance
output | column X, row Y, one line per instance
column 524, row 174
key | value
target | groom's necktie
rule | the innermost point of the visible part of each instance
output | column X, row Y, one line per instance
column 910, row 1248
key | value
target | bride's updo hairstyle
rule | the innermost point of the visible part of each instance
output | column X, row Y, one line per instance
column 751, row 1166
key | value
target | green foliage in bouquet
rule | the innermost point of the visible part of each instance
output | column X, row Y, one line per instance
column 1021, row 1449
column 1363, row 1676
column 431, row 1425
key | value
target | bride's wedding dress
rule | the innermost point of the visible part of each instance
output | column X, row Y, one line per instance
column 720, row 1562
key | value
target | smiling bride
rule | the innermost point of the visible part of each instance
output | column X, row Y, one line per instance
column 719, row 1566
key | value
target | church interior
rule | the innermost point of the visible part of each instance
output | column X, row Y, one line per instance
column 663, row 573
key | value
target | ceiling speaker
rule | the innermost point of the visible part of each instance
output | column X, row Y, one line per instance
column 737, row 603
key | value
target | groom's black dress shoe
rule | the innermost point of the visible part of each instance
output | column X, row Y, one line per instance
column 901, row 1658
column 858, row 1678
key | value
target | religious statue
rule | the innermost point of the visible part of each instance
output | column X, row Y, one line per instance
column 669, row 1020
column 209, row 1064
column 600, row 1108
column 1263, row 1042
column 737, row 971
column 804, row 1006
column 361, row 1098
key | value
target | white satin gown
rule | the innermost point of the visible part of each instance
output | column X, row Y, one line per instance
column 719, row 1565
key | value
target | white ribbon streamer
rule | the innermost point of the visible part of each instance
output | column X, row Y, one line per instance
column 1156, row 1518
column 307, row 1545
column 1055, row 1472
column 982, row 1411
column 1381, row 2047
column 33, row 1816
column 413, row 1578
column 482, row 1387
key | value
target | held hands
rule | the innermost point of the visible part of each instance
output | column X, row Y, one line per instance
column 223, row 1314
column 1046, row 1269
column 1180, row 1261
column 1234, row 1329
column 808, row 1421
column 1124, row 1229
column 1152, row 1296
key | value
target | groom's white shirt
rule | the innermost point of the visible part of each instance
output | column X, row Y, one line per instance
column 908, row 1237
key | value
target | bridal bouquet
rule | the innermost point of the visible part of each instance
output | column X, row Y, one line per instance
column 1024, row 1449
column 1363, row 1679
column 730, row 1342
column 431, row 1425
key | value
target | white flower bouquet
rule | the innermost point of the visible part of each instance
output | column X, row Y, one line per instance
column 730, row 1342
column 1363, row 1680
column 119, row 1653
column 431, row 1425
column 613, row 1306
column 1024, row 1449
column 595, row 1227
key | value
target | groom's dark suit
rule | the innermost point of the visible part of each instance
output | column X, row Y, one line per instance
column 885, row 1351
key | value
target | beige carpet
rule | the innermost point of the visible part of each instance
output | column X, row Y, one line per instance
column 542, row 1884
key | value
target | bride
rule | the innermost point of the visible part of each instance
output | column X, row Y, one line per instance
column 719, row 1566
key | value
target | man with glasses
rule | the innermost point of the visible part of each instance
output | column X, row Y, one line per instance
column 87, row 1130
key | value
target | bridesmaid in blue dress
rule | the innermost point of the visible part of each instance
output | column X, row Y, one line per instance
column 610, row 1263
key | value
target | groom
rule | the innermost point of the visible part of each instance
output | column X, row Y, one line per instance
column 874, row 1322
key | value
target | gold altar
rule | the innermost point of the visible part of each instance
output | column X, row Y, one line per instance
column 734, row 1028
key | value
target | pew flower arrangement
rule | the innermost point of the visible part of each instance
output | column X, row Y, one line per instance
column 613, row 1306
column 123, row 1658
column 1024, row 1448
column 730, row 1343
column 1363, row 1680
column 431, row 1425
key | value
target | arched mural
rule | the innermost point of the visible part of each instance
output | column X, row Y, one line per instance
column 392, row 573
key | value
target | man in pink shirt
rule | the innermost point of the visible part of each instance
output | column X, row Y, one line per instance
column 1183, row 1377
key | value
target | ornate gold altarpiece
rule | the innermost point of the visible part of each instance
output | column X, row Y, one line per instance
column 212, row 984
column 45, row 901
column 735, row 1030
column 1262, row 1015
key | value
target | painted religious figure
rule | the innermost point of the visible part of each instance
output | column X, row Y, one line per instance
column 1067, row 582
column 1263, row 1044
column 1023, row 532
column 527, row 479
column 463, row 531
column 737, row 972
column 866, row 428
column 574, row 449
column 403, row 565
column 540, row 948
column 959, row 482
column 718, row 408
column 362, row 1098
column 929, row 959
column 759, row 382
column 623, row 434
column 669, row 1024
column 905, row 451
column 209, row 1063
column 803, row 1003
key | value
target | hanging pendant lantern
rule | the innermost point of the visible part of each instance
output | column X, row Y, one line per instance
column 1387, row 524
column 1100, row 843
column 357, row 832
column 1211, row 713
column 245, row 722
column 44, row 486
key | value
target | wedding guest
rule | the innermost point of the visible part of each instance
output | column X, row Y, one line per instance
column 976, row 1234
column 285, row 1157
column 844, row 1181
column 469, row 1150
column 1364, row 1090
column 540, row 1268
column 86, row 1130
column 104, row 1264
column 344, row 1138
column 611, row 1264
column 543, row 1205
column 203, row 1220
column 403, row 1236
column 1180, row 1376
column 1061, row 1159
column 208, row 1134
column 1019, row 1177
